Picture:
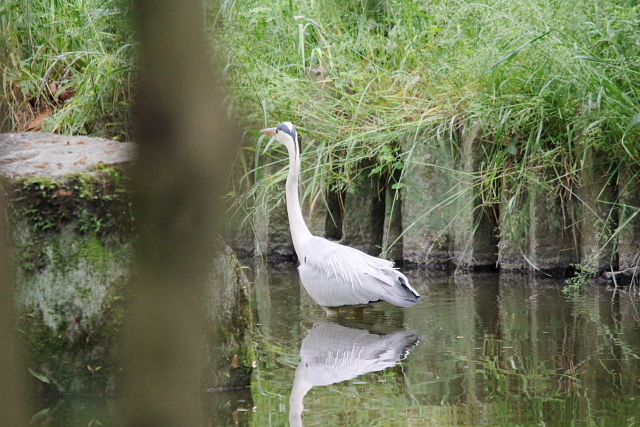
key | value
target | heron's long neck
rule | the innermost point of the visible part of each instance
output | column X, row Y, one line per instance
column 301, row 387
column 299, row 231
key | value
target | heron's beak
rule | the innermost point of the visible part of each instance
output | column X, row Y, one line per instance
column 270, row 132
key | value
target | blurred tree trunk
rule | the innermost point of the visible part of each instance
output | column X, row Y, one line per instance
column 185, row 152
column 13, row 410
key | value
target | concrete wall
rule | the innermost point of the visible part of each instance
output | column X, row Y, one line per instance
column 440, row 218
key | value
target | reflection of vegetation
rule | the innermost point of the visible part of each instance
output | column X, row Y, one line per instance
column 518, row 355
column 566, row 368
column 77, row 411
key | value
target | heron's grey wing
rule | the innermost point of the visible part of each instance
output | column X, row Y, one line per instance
column 336, row 275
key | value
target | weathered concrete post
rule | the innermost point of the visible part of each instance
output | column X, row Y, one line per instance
column 514, row 228
column 314, row 210
column 363, row 219
column 271, row 221
column 427, row 208
column 552, row 242
column 72, row 229
column 272, row 236
column 597, row 218
column 72, row 234
column 476, row 242
column 537, row 230
column 629, row 224
column 229, row 354
column 392, row 232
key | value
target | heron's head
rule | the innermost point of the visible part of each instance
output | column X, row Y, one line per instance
column 284, row 133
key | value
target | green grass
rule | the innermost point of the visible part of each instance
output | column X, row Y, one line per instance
column 551, row 81
column 68, row 66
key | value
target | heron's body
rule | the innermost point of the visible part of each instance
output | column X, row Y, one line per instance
column 333, row 274
column 347, row 276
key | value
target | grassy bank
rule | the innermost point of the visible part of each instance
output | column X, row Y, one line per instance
column 68, row 66
column 552, row 82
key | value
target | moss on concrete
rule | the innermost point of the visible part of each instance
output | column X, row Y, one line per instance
column 96, row 202
column 74, row 247
column 229, row 352
column 73, row 239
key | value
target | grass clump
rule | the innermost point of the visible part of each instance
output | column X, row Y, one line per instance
column 69, row 66
column 584, row 273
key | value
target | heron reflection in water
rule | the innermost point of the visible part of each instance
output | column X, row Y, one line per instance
column 332, row 353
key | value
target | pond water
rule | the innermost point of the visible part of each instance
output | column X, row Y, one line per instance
column 479, row 349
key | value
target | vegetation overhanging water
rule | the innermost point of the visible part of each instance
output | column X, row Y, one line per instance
column 551, row 83
column 554, row 84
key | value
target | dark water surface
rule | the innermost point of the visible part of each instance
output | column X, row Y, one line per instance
column 493, row 351
column 479, row 349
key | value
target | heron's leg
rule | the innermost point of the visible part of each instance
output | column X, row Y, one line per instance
column 331, row 311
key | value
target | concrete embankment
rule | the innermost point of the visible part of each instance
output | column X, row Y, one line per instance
column 442, row 217
column 73, row 230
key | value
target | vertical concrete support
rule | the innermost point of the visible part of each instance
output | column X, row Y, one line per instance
column 597, row 218
column 271, row 222
column 629, row 224
column 552, row 243
column 229, row 324
column 475, row 242
column 363, row 218
column 333, row 220
column 391, row 236
column 536, row 231
column 315, row 215
column 241, row 235
column 427, row 209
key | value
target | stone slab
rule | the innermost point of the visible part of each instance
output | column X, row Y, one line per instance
column 30, row 154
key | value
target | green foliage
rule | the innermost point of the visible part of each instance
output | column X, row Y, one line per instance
column 548, row 81
column 97, row 203
column 583, row 275
column 69, row 62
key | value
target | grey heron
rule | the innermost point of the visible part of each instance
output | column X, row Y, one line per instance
column 335, row 275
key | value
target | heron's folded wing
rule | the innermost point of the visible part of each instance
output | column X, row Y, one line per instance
column 347, row 264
